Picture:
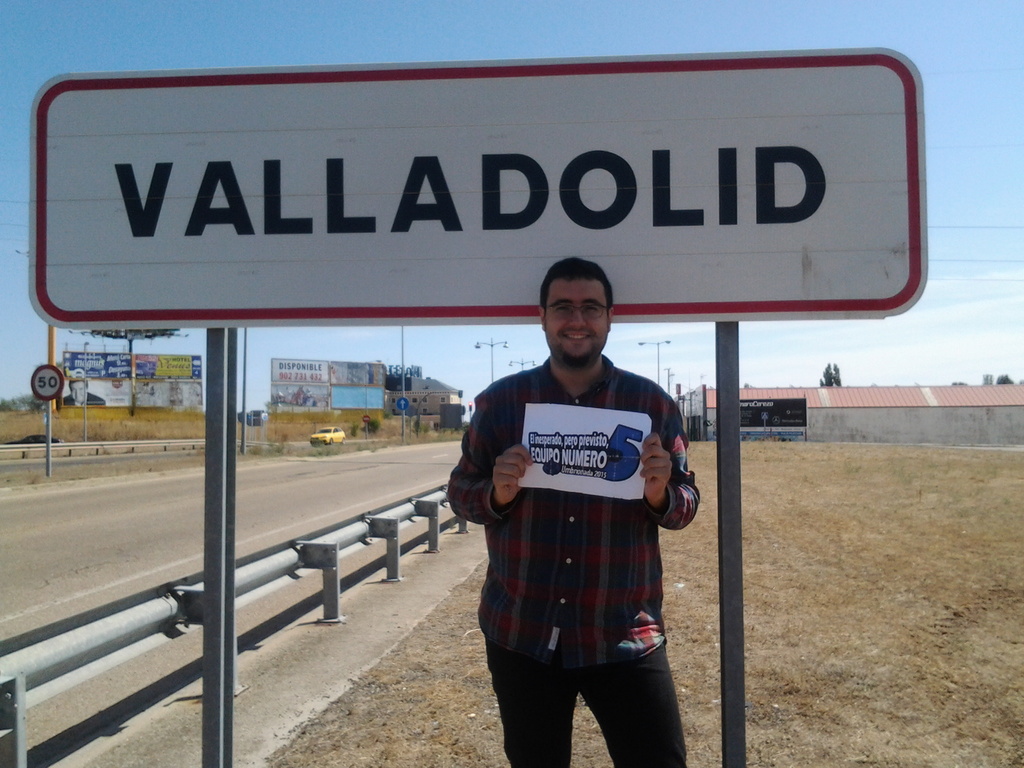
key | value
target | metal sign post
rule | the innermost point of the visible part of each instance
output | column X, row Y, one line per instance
column 48, row 418
column 47, row 385
column 219, row 644
column 730, row 546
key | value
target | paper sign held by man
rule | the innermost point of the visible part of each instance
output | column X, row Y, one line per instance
column 595, row 451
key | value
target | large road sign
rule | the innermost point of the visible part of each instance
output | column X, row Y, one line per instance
column 730, row 187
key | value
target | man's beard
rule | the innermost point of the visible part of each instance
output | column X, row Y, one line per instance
column 578, row 362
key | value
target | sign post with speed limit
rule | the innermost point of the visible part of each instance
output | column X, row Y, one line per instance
column 47, row 384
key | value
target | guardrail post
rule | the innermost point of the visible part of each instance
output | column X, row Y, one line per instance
column 324, row 556
column 430, row 510
column 387, row 528
column 59, row 663
column 13, row 746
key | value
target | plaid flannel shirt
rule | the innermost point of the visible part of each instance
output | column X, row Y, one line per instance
column 566, row 568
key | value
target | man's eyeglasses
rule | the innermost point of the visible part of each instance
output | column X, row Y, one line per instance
column 565, row 310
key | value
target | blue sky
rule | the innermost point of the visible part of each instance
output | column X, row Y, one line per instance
column 970, row 321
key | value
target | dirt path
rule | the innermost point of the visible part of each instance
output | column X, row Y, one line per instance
column 884, row 595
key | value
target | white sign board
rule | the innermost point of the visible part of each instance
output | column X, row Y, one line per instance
column 743, row 186
column 587, row 450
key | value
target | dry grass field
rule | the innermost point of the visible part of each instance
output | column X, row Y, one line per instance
column 884, row 593
column 111, row 426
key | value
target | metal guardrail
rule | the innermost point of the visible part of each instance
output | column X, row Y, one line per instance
column 50, row 660
column 38, row 450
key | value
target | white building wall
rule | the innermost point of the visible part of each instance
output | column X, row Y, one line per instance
column 1002, row 425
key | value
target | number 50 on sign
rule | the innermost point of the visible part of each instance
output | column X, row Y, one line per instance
column 47, row 382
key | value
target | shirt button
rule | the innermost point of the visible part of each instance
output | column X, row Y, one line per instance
column 572, row 519
column 568, row 561
column 562, row 601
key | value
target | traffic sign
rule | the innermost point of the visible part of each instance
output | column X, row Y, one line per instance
column 366, row 419
column 403, row 403
column 742, row 180
column 47, row 382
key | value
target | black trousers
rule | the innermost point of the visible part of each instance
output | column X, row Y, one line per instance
column 634, row 703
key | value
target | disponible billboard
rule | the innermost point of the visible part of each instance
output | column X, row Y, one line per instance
column 300, row 371
column 735, row 186
column 322, row 384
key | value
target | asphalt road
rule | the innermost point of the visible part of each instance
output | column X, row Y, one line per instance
column 68, row 547
column 67, row 466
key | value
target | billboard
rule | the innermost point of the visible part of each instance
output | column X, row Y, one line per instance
column 94, row 392
column 169, row 366
column 105, row 379
column 97, row 365
column 299, row 371
column 322, row 384
column 751, row 186
column 169, row 393
column 777, row 412
column 361, row 398
column 316, row 396
column 776, row 419
column 365, row 374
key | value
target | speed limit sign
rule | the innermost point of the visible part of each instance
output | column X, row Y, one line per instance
column 47, row 382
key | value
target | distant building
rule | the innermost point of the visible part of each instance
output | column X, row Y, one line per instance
column 946, row 415
column 430, row 400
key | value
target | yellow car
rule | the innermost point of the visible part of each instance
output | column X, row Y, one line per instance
column 327, row 436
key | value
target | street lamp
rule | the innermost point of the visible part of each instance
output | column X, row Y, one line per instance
column 521, row 363
column 658, row 345
column 492, row 344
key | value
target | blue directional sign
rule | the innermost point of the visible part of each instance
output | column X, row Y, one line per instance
column 403, row 403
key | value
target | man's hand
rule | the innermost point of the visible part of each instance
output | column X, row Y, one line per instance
column 656, row 469
column 508, row 469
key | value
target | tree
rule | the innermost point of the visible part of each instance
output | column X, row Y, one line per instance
column 1004, row 379
column 831, row 377
column 22, row 403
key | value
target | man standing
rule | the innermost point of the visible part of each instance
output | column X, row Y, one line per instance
column 572, row 599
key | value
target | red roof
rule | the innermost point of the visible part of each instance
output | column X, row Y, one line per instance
column 888, row 397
